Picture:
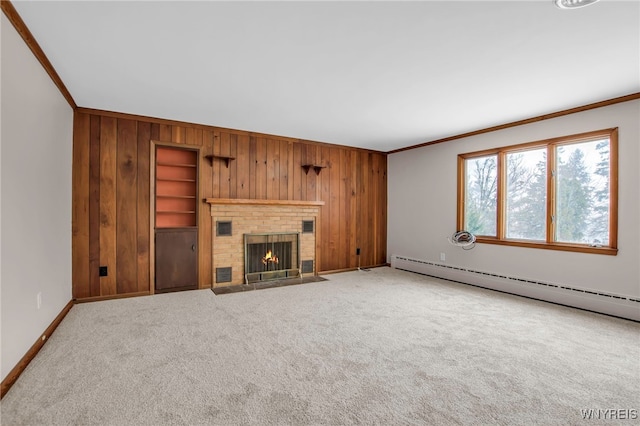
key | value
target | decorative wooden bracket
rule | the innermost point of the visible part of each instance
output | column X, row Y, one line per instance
column 219, row 157
column 315, row 167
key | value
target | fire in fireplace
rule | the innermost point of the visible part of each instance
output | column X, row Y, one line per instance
column 271, row 256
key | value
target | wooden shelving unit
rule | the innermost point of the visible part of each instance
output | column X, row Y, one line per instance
column 219, row 157
column 176, row 187
column 315, row 167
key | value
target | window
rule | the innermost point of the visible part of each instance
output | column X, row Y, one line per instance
column 556, row 194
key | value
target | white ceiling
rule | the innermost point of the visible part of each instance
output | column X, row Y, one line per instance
column 379, row 75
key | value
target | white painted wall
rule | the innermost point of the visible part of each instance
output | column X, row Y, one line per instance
column 35, row 169
column 422, row 207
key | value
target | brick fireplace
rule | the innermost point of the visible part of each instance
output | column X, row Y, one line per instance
column 293, row 226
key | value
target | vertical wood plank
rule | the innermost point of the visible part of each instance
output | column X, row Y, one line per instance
column 297, row 172
column 94, row 207
column 382, row 191
column 283, row 178
column 127, row 207
column 371, row 179
column 166, row 133
column 243, row 167
column 155, row 131
column 261, row 168
column 363, row 207
column 290, row 171
column 363, row 233
column 155, row 135
column 334, row 208
column 353, row 210
column 358, row 200
column 80, row 212
column 325, row 235
column 375, row 200
column 312, row 176
column 215, row 166
column 108, row 170
column 190, row 137
column 304, row 176
column 253, row 163
column 233, row 166
column 178, row 134
column 199, row 135
column 204, row 222
column 144, row 199
column 272, row 169
column 225, row 150
column 345, row 220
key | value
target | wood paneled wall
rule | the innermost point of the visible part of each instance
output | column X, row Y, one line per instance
column 111, row 195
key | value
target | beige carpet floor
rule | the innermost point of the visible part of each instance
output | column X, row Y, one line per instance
column 384, row 347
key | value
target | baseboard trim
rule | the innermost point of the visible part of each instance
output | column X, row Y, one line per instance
column 114, row 296
column 616, row 305
column 337, row 271
column 33, row 351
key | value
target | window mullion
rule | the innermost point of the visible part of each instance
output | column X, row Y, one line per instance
column 462, row 173
column 551, row 193
column 613, row 189
column 501, row 196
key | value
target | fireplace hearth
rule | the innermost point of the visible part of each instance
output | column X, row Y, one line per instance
column 271, row 256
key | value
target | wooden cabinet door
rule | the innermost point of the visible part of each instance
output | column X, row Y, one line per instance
column 176, row 259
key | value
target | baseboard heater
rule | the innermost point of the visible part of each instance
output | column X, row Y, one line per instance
column 597, row 301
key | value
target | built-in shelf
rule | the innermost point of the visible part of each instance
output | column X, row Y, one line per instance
column 175, row 187
column 176, row 196
column 315, row 167
column 175, row 180
column 176, row 211
column 219, row 157
column 174, row 164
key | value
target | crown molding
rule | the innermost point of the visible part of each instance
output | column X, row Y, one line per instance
column 12, row 14
column 626, row 98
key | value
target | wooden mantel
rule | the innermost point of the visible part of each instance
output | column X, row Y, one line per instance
column 263, row 202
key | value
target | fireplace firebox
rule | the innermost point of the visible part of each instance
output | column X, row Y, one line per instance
column 271, row 256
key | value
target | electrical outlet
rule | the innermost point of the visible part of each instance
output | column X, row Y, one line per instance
column 443, row 257
column 103, row 271
column 39, row 299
